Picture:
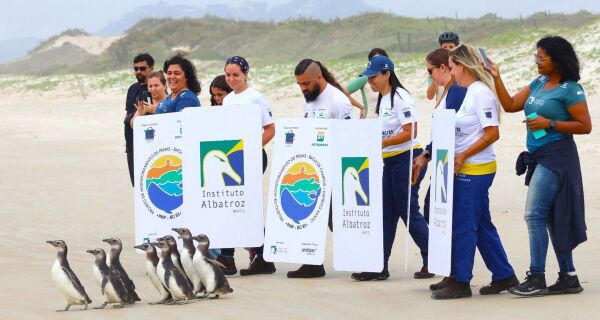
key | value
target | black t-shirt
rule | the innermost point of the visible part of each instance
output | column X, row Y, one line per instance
column 136, row 92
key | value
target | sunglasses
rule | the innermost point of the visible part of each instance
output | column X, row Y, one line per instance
column 142, row 69
column 537, row 59
column 430, row 70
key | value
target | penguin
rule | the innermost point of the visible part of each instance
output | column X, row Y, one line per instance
column 171, row 277
column 211, row 271
column 175, row 256
column 111, row 286
column 66, row 280
column 113, row 262
column 151, row 263
column 187, row 259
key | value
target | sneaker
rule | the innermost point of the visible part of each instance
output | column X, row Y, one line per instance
column 423, row 274
column 307, row 271
column 367, row 276
column 534, row 285
column 258, row 266
column 498, row 286
column 229, row 263
column 565, row 284
column 452, row 290
column 440, row 285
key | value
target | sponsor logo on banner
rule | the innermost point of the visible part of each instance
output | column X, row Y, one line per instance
column 441, row 176
column 289, row 137
column 355, row 193
column 222, row 174
column 149, row 134
column 161, row 189
column 298, row 191
column 320, row 138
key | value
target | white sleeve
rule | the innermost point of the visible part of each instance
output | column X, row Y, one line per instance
column 342, row 108
column 485, row 106
column 406, row 109
column 267, row 116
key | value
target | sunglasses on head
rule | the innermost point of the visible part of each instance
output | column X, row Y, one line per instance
column 142, row 69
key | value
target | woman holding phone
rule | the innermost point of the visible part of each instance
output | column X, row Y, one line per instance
column 555, row 109
column 474, row 171
column 157, row 86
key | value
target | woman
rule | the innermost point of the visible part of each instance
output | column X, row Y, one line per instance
column 474, row 169
column 451, row 98
column 236, row 75
column 396, row 109
column 359, row 84
column 184, row 85
column 555, row 196
column 218, row 90
column 448, row 40
column 157, row 86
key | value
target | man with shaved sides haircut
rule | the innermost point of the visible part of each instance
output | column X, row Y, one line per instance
column 325, row 100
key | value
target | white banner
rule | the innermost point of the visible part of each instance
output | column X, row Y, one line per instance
column 299, row 192
column 441, row 168
column 223, row 175
column 357, row 196
column 158, row 190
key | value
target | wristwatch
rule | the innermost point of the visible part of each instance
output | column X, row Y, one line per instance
column 427, row 155
column 552, row 124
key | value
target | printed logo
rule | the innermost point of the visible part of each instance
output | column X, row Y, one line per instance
column 274, row 249
column 222, row 163
column 441, row 176
column 320, row 136
column 163, row 183
column 355, row 181
column 298, row 190
column 580, row 92
column 531, row 100
column 488, row 114
column 289, row 137
column 149, row 134
column 407, row 114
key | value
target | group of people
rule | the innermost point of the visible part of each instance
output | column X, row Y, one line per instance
column 555, row 109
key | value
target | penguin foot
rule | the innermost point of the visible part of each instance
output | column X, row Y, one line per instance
column 119, row 306
column 170, row 302
column 101, row 306
column 85, row 306
column 163, row 301
column 65, row 309
column 201, row 295
column 216, row 296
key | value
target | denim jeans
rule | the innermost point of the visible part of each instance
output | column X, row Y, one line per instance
column 542, row 190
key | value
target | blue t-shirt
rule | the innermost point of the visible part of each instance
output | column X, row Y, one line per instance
column 551, row 104
column 184, row 99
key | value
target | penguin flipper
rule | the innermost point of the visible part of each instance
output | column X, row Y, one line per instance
column 184, row 284
column 216, row 263
column 76, row 283
column 103, row 284
column 120, row 289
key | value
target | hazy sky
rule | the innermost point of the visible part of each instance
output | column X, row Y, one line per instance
column 42, row 18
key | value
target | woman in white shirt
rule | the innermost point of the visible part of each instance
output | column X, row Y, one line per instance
column 474, row 170
column 236, row 75
column 396, row 109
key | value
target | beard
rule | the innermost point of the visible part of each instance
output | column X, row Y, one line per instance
column 141, row 79
column 312, row 95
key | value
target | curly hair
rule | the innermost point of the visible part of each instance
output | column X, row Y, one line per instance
column 188, row 69
column 562, row 54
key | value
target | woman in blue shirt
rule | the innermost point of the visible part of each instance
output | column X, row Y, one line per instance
column 184, row 85
column 555, row 109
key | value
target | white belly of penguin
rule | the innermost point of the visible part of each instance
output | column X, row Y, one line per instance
column 188, row 267
column 63, row 282
column 152, row 274
column 176, row 291
column 160, row 272
column 109, row 291
column 206, row 272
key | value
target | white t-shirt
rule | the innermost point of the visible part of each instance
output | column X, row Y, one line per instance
column 332, row 103
column 478, row 110
column 392, row 119
column 250, row 96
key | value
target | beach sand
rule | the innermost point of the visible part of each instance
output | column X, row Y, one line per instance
column 64, row 176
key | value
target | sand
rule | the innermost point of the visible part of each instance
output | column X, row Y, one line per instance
column 65, row 177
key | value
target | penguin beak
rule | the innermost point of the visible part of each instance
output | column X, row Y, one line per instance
column 91, row 251
column 51, row 242
column 140, row 246
column 178, row 230
column 107, row 240
column 197, row 238
column 159, row 239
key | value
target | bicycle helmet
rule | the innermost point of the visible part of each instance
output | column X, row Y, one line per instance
column 448, row 36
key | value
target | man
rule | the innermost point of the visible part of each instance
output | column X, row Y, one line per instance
column 143, row 65
column 447, row 40
column 325, row 100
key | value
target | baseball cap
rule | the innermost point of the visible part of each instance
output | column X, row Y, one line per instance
column 378, row 64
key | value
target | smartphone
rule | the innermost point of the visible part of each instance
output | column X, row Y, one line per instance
column 147, row 97
column 484, row 58
column 537, row 133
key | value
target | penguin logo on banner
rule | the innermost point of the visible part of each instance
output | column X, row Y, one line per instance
column 355, row 181
column 299, row 191
column 441, row 176
column 222, row 163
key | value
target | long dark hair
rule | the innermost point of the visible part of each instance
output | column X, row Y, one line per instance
column 395, row 83
column 303, row 65
column 563, row 55
column 437, row 58
column 377, row 52
column 220, row 83
column 188, row 69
